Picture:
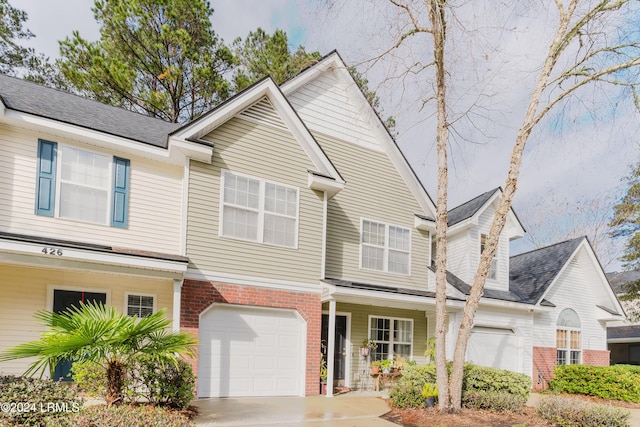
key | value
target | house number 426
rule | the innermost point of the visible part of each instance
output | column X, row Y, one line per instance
column 52, row 251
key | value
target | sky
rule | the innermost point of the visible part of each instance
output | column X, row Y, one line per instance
column 577, row 157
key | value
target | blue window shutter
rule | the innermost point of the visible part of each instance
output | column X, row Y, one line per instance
column 46, row 183
column 119, row 215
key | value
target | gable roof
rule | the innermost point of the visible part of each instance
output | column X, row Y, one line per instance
column 469, row 208
column 32, row 98
column 333, row 61
column 531, row 273
column 265, row 87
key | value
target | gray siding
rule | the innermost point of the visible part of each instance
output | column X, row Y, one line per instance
column 265, row 152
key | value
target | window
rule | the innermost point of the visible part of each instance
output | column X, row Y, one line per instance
column 259, row 211
column 81, row 185
column 385, row 247
column 140, row 305
column 393, row 337
column 493, row 270
column 568, row 338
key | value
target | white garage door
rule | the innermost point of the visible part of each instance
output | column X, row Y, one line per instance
column 248, row 351
column 494, row 347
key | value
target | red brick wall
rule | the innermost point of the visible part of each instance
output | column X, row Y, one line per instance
column 596, row 357
column 544, row 361
column 199, row 295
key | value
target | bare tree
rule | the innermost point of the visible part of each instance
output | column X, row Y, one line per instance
column 588, row 45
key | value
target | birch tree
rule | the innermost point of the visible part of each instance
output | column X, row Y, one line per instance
column 588, row 45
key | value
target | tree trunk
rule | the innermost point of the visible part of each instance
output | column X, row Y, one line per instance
column 115, row 381
column 436, row 17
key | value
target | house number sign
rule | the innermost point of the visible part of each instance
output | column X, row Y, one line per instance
column 51, row 251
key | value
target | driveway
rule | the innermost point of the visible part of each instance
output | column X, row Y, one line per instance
column 348, row 410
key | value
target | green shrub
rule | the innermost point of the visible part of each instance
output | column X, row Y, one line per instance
column 618, row 382
column 34, row 401
column 408, row 390
column 126, row 416
column 90, row 377
column 570, row 412
column 498, row 401
column 485, row 379
column 168, row 384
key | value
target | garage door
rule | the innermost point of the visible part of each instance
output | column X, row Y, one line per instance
column 248, row 351
column 494, row 347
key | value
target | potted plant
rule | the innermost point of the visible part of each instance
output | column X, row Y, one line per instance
column 385, row 365
column 430, row 392
column 430, row 352
column 375, row 367
column 367, row 345
column 323, row 374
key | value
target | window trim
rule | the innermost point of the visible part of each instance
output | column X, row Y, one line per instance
column 386, row 247
column 495, row 259
column 391, row 342
column 261, row 209
column 73, row 288
column 140, row 294
column 567, row 347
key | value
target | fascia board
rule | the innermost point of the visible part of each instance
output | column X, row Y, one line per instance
column 312, row 73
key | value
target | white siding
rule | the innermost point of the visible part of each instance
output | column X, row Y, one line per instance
column 572, row 290
column 155, row 200
column 335, row 107
column 458, row 251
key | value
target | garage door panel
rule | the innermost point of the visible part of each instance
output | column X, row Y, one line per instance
column 493, row 347
column 250, row 352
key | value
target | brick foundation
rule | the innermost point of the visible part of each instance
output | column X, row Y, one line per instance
column 199, row 295
column 544, row 362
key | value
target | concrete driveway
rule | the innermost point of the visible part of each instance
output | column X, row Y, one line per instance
column 348, row 410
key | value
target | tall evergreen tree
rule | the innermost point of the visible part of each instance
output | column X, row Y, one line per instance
column 159, row 57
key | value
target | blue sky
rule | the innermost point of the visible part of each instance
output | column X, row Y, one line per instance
column 572, row 158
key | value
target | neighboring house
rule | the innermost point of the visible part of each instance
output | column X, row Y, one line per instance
column 624, row 337
column 91, row 208
column 305, row 231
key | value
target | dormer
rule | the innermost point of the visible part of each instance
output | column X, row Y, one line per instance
column 469, row 225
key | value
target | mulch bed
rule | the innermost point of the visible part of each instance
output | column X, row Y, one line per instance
column 473, row 418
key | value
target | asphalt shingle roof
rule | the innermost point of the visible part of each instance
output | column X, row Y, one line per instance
column 32, row 98
column 469, row 209
column 531, row 273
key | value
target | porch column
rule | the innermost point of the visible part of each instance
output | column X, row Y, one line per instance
column 331, row 346
column 177, row 292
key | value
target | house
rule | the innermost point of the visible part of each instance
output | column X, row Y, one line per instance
column 624, row 336
column 292, row 226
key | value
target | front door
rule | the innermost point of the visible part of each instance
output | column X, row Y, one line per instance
column 340, row 353
column 63, row 300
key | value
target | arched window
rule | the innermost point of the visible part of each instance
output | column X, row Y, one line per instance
column 568, row 338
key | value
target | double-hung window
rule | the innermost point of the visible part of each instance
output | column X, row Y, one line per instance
column 393, row 337
column 82, row 185
column 140, row 305
column 259, row 211
column 493, row 270
column 385, row 247
column 568, row 338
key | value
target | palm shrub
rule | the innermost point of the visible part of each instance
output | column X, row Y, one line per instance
column 100, row 333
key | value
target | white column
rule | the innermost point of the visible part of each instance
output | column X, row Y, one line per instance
column 177, row 292
column 331, row 346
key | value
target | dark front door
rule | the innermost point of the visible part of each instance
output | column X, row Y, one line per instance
column 63, row 300
column 340, row 353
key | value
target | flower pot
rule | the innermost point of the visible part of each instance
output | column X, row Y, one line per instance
column 323, row 388
column 429, row 402
column 386, row 370
column 375, row 370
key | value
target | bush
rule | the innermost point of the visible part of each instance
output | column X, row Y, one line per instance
column 126, row 416
column 618, row 382
column 168, row 384
column 567, row 411
column 484, row 379
column 407, row 392
column 34, row 401
column 493, row 383
column 498, row 401
column 90, row 377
